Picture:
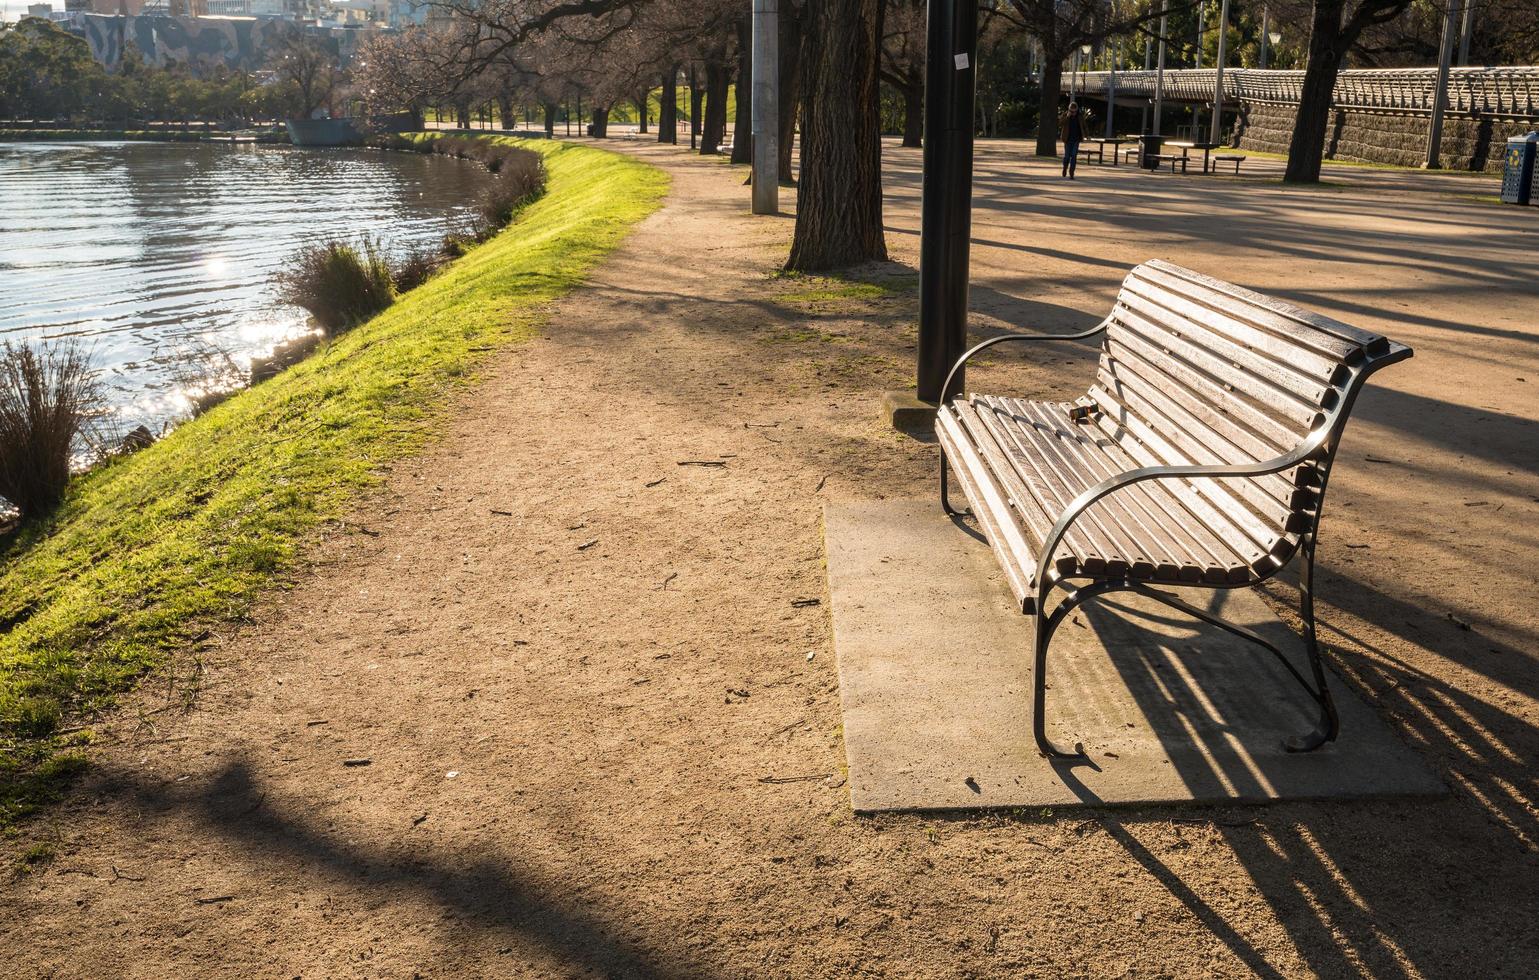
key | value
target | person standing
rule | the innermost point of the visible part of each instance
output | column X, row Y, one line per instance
column 1071, row 128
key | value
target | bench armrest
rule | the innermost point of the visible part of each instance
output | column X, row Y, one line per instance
column 979, row 348
column 1112, row 484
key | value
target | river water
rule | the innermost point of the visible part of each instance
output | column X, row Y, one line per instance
column 160, row 256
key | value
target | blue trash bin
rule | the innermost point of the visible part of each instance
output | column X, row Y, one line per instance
column 1518, row 176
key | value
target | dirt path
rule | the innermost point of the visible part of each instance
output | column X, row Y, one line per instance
column 597, row 697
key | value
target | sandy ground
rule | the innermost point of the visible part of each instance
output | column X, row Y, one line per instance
column 580, row 670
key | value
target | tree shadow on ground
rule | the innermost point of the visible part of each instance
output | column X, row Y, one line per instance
column 484, row 896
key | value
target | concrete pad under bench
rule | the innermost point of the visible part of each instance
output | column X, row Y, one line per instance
column 934, row 679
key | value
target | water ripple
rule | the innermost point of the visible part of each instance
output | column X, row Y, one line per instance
column 162, row 255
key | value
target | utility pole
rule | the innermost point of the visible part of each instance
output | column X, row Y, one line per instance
column 766, row 106
column 1440, row 94
column 1202, row 10
column 1464, row 33
column 1218, row 85
column 1111, row 95
column 1143, row 115
column 1266, row 17
column 945, row 228
column 1159, row 78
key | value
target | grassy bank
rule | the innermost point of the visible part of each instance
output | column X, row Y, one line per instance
column 147, row 552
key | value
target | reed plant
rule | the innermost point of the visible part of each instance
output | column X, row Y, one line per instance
column 49, row 394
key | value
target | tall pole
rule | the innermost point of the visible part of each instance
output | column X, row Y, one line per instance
column 1159, row 77
column 1202, row 10
column 766, row 106
column 1111, row 96
column 1143, row 116
column 945, row 227
column 1218, row 84
column 1440, row 94
column 1465, row 31
column 1266, row 16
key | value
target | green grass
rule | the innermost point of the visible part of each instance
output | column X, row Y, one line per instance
column 149, row 551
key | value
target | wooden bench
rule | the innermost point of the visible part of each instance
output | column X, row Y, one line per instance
column 1131, row 153
column 1169, row 158
column 1198, row 458
column 1097, row 150
column 1234, row 158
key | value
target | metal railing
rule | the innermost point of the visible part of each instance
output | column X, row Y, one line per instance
column 1497, row 91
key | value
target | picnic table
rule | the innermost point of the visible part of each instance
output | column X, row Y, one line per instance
column 1101, row 143
column 1186, row 148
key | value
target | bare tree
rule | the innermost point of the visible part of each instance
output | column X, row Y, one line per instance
column 310, row 66
column 1061, row 26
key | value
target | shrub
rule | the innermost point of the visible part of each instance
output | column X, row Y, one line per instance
column 48, row 395
column 340, row 284
column 416, row 268
column 520, row 180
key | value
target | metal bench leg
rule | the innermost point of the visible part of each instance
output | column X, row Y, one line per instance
column 1330, row 723
column 945, row 490
column 1046, row 626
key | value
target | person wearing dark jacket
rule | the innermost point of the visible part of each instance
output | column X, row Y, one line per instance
column 1071, row 127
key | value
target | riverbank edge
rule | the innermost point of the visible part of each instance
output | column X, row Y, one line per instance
column 100, row 135
column 152, row 552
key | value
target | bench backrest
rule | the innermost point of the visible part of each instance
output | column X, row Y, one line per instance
column 1195, row 370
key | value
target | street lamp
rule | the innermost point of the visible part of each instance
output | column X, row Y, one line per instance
column 1084, row 57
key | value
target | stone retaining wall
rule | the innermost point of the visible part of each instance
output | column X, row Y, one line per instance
column 1469, row 143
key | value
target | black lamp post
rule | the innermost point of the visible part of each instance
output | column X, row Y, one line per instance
column 946, row 212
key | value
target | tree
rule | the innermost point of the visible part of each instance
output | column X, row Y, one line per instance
column 839, row 206
column 1060, row 27
column 310, row 66
column 1330, row 37
column 45, row 72
column 903, row 59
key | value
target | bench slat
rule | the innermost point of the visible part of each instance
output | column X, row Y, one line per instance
column 1172, row 556
column 1202, row 427
column 1034, row 448
column 1275, row 318
column 1228, row 511
column 1033, row 482
column 988, row 507
column 1370, row 344
column 1184, row 324
column 1211, row 556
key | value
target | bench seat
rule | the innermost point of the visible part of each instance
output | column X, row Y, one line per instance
column 1036, row 461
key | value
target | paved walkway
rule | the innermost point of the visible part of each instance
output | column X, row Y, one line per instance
column 580, row 670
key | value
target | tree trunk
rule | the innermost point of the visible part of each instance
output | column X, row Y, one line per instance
column 550, row 119
column 696, row 97
column 913, row 113
column 600, row 122
column 668, row 107
column 1047, row 108
column 505, row 112
column 642, row 107
column 1307, row 146
column 839, row 206
column 790, row 84
column 742, row 128
column 715, row 129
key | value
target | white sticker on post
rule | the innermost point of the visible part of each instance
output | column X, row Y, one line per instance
column 961, row 61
